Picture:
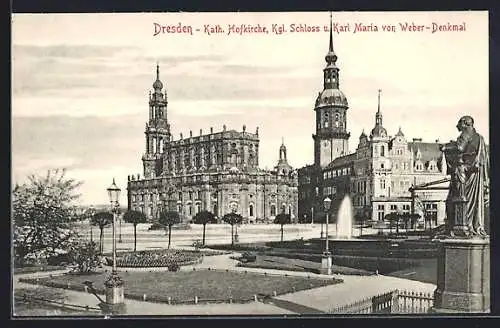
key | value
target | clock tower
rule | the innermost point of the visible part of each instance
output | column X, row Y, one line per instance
column 331, row 139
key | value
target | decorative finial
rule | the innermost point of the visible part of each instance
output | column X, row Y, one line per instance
column 190, row 133
column 379, row 92
column 157, row 70
column 331, row 32
column 224, row 127
column 257, row 130
column 211, row 130
column 282, row 141
column 244, row 127
column 201, row 132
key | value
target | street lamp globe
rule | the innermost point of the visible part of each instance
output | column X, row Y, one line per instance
column 327, row 203
column 114, row 193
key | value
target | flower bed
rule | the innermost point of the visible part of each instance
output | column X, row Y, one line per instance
column 157, row 258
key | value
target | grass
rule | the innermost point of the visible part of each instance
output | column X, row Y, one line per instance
column 32, row 269
column 183, row 286
column 26, row 303
column 281, row 263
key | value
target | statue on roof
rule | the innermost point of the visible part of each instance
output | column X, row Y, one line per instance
column 468, row 165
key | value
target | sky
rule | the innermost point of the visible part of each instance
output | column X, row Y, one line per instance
column 81, row 83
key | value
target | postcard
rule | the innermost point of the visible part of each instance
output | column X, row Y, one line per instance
column 285, row 163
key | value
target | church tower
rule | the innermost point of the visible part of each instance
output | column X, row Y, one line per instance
column 157, row 129
column 283, row 168
column 331, row 139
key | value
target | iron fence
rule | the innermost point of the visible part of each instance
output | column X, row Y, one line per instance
column 392, row 302
column 58, row 304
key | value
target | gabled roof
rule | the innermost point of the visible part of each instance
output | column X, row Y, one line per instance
column 341, row 161
column 429, row 150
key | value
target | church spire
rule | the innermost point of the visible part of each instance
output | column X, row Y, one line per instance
column 330, row 48
column 378, row 116
column 331, row 57
column 157, row 85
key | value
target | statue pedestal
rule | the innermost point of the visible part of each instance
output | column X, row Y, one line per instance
column 115, row 298
column 463, row 279
column 326, row 263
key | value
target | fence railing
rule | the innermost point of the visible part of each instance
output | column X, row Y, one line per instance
column 391, row 302
column 58, row 304
column 413, row 302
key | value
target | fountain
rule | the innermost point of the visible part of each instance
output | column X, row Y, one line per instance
column 344, row 219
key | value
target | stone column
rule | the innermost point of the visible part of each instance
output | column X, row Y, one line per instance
column 463, row 276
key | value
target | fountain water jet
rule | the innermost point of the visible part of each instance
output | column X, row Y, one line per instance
column 344, row 219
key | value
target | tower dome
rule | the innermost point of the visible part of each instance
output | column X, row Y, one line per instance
column 331, row 97
column 157, row 85
column 378, row 131
column 363, row 135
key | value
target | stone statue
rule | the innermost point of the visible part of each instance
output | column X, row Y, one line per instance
column 468, row 165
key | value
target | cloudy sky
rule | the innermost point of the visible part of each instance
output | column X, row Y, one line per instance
column 80, row 83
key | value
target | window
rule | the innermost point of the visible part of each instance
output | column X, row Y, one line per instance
column 133, row 198
column 273, row 210
column 198, row 208
column 250, row 210
column 382, row 184
column 431, row 213
column 380, row 212
column 180, row 196
column 382, row 151
column 190, row 209
column 381, row 165
column 198, row 196
column 406, row 208
column 394, row 208
column 190, row 195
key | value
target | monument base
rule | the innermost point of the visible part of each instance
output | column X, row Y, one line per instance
column 113, row 309
column 115, row 297
column 326, row 263
column 463, row 281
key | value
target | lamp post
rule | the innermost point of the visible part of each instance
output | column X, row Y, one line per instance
column 236, row 236
column 120, row 229
column 91, row 214
column 326, row 260
column 115, row 301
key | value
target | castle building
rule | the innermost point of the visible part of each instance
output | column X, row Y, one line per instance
column 218, row 172
column 378, row 175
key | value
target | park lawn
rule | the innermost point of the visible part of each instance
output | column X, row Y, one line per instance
column 28, row 302
column 183, row 286
column 282, row 263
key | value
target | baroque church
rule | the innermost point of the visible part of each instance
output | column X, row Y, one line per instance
column 384, row 174
column 217, row 171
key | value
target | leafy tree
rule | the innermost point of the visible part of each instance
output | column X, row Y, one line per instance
column 203, row 217
column 85, row 256
column 168, row 219
column 232, row 219
column 134, row 217
column 282, row 219
column 102, row 220
column 43, row 216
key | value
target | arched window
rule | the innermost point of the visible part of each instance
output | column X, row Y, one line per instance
column 273, row 210
column 215, row 209
column 198, row 208
column 382, row 151
column 250, row 210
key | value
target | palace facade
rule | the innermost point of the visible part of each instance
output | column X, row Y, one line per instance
column 217, row 171
column 384, row 174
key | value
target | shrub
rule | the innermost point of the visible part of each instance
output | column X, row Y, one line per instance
column 249, row 257
column 157, row 258
column 85, row 256
column 156, row 226
column 174, row 267
column 198, row 244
